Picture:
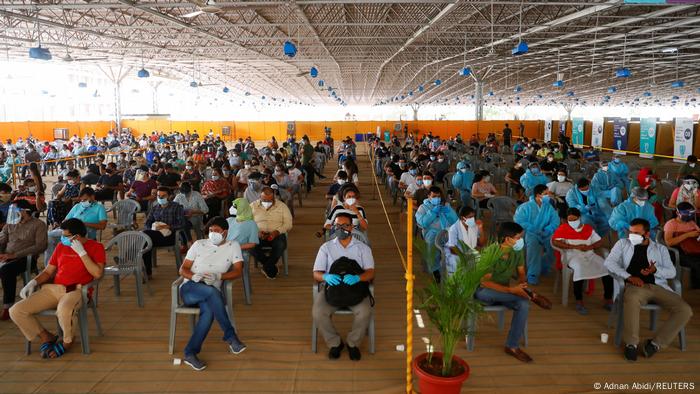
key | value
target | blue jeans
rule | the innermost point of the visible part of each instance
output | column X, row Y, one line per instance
column 211, row 306
column 539, row 257
column 520, row 307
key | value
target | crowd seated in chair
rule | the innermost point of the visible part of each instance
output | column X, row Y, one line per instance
column 274, row 221
column 577, row 243
column 643, row 268
column 683, row 233
column 162, row 223
column 496, row 289
column 76, row 262
column 539, row 219
column 209, row 262
column 345, row 246
column 89, row 211
column 23, row 235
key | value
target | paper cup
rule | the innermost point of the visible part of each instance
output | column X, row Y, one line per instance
column 400, row 348
column 604, row 338
column 177, row 361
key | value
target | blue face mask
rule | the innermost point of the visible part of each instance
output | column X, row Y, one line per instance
column 435, row 200
column 412, row 172
column 584, row 192
column 535, row 171
column 65, row 240
column 616, row 161
column 519, row 244
column 85, row 204
column 545, row 199
column 162, row 201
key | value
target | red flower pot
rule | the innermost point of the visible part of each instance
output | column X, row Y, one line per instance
column 433, row 384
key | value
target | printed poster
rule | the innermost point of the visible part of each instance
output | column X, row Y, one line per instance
column 647, row 137
column 597, row 133
column 577, row 132
column 620, row 135
column 547, row 130
column 683, row 139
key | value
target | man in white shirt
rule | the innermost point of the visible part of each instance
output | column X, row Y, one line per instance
column 209, row 262
column 344, row 245
column 408, row 177
column 646, row 266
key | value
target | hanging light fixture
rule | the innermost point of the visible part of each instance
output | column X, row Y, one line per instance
column 143, row 73
column 522, row 47
column 290, row 50
column 313, row 72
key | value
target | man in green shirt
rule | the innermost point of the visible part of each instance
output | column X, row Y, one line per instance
column 689, row 168
column 495, row 287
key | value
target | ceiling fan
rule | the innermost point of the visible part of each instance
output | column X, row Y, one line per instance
column 68, row 58
column 210, row 7
column 205, row 7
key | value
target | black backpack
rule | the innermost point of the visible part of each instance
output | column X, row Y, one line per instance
column 342, row 295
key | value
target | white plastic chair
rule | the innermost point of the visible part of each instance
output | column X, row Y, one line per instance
column 131, row 246
column 88, row 302
column 124, row 211
column 617, row 312
column 178, row 307
column 316, row 291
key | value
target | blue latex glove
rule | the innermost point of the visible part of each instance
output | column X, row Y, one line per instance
column 331, row 279
column 436, row 209
column 351, row 279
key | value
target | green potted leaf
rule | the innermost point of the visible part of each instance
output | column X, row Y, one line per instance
column 449, row 305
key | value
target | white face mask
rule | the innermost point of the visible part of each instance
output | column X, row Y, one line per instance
column 266, row 204
column 692, row 165
column 604, row 168
column 233, row 211
column 641, row 203
column 636, row 239
column 561, row 178
column 470, row 222
column 575, row 224
column 341, row 181
column 215, row 238
column 350, row 201
column 688, row 186
column 214, row 177
column 427, row 182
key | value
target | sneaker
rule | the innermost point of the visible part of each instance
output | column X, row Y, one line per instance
column 194, row 362
column 266, row 275
column 631, row 353
column 354, row 352
column 649, row 348
column 581, row 309
column 608, row 306
column 334, row 352
column 235, row 346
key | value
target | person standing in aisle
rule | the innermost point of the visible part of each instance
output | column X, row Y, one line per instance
column 507, row 133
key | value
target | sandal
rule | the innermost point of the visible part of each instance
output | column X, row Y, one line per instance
column 57, row 350
column 46, row 347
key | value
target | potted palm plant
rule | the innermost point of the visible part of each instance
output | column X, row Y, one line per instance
column 449, row 305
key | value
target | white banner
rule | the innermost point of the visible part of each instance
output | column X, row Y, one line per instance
column 597, row 133
column 547, row 130
column 683, row 139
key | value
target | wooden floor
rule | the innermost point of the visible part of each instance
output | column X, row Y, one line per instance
column 132, row 356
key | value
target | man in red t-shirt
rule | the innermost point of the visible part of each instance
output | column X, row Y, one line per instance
column 75, row 262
